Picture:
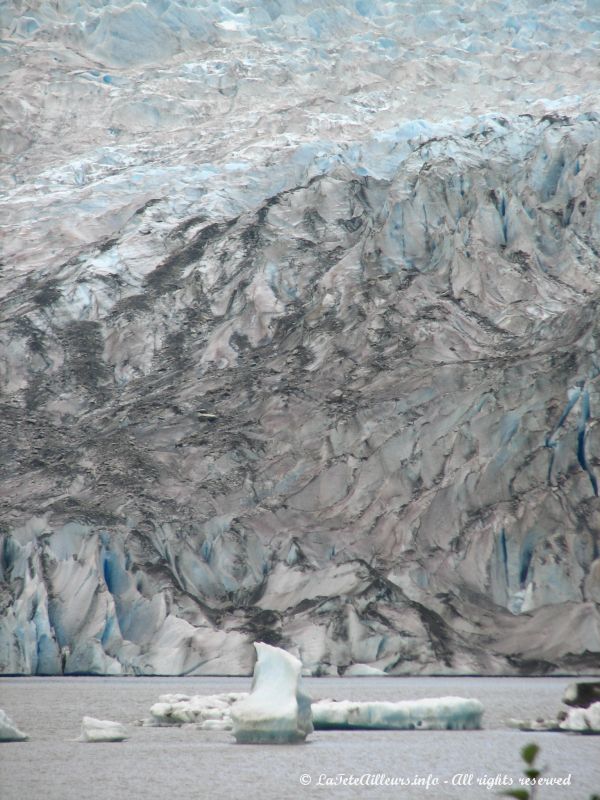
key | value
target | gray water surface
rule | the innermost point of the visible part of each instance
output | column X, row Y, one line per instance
column 189, row 764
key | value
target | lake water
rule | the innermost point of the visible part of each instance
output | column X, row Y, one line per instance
column 188, row 764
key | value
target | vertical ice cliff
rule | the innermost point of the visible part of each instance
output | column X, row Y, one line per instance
column 299, row 336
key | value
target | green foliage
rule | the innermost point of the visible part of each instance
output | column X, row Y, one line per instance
column 529, row 753
column 532, row 773
column 520, row 794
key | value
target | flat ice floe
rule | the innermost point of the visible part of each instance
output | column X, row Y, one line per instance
column 440, row 713
column 101, row 730
column 276, row 711
column 9, row 731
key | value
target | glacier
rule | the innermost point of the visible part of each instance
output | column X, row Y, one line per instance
column 298, row 336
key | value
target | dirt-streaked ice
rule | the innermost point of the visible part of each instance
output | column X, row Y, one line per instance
column 299, row 336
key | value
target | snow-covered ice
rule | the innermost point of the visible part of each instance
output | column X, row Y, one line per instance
column 101, row 730
column 440, row 713
column 9, row 731
column 276, row 710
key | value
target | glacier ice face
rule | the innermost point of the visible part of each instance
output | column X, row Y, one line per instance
column 102, row 730
column 298, row 338
column 9, row 731
column 443, row 713
column 276, row 711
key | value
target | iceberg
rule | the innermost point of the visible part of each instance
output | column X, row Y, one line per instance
column 101, row 730
column 582, row 720
column 9, row 731
column 539, row 725
column 441, row 713
column 276, row 711
column 582, row 694
column 582, row 717
column 208, row 712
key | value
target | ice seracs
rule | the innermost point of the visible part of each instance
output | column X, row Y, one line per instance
column 440, row 713
column 192, row 254
column 101, row 730
column 9, row 731
column 276, row 711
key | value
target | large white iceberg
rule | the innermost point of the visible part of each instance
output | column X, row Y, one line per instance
column 209, row 712
column 440, row 713
column 9, row 731
column 276, row 711
column 101, row 730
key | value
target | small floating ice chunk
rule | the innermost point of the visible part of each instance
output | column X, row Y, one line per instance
column 440, row 713
column 9, row 731
column 582, row 720
column 101, row 730
column 534, row 725
column 276, row 711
